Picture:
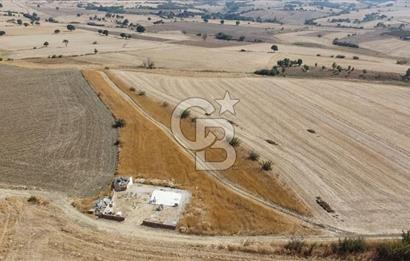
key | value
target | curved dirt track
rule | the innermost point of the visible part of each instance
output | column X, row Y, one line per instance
column 232, row 186
column 49, row 227
column 55, row 133
column 358, row 159
column 148, row 151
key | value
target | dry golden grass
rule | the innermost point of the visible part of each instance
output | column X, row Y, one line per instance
column 146, row 151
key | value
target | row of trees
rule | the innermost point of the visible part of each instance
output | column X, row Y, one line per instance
column 103, row 32
column 65, row 42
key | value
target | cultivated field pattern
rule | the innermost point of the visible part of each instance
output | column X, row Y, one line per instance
column 358, row 159
column 55, row 132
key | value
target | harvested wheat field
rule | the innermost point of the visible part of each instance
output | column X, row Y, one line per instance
column 245, row 173
column 55, row 133
column 146, row 151
column 346, row 142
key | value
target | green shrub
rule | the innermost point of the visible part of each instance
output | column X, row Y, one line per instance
column 267, row 165
column 235, row 142
column 406, row 237
column 395, row 251
column 295, row 246
column 223, row 36
column 349, row 246
column 253, row 156
column 272, row 72
column 119, row 123
column 185, row 114
column 306, row 67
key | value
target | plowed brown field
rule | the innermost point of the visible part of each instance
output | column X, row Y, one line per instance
column 55, row 133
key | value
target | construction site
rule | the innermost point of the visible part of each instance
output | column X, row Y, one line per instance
column 138, row 204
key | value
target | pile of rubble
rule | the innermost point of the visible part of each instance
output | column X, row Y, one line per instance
column 121, row 183
column 104, row 208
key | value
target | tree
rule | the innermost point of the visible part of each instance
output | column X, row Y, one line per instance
column 2, row 33
column 300, row 62
column 46, row 44
column 105, row 32
column 95, row 51
column 238, row 22
column 19, row 22
column 222, row 21
column 140, row 28
column 57, row 31
column 65, row 41
column 408, row 73
column 123, row 35
column 26, row 24
column 306, row 68
column 274, row 48
column 70, row 27
column 100, row 31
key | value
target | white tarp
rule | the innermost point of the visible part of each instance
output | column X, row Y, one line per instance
column 166, row 198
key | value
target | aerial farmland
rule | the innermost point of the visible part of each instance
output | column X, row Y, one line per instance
column 204, row 129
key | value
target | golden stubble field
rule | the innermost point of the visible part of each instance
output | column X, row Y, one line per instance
column 358, row 158
column 146, row 151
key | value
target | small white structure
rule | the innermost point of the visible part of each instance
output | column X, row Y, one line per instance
column 165, row 198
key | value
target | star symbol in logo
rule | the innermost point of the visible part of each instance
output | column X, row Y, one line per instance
column 227, row 104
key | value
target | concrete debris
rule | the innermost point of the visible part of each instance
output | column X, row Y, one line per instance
column 104, row 208
column 102, row 205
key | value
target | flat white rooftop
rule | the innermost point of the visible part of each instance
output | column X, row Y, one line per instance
column 166, row 198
